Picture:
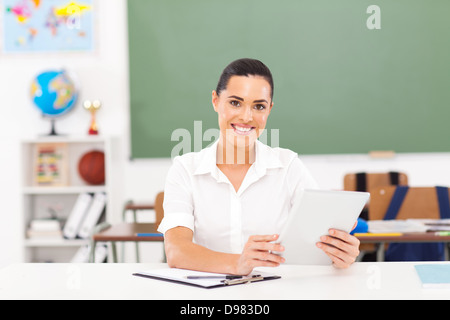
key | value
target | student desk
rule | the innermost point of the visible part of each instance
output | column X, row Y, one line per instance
column 124, row 232
column 404, row 238
column 363, row 280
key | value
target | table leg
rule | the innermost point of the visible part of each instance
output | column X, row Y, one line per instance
column 114, row 251
column 138, row 259
column 92, row 253
column 380, row 252
column 446, row 251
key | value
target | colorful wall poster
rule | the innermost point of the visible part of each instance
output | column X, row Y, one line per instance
column 47, row 25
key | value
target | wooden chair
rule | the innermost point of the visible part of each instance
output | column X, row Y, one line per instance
column 126, row 231
column 373, row 180
column 364, row 181
column 419, row 203
column 135, row 208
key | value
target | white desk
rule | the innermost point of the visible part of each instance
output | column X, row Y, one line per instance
column 364, row 280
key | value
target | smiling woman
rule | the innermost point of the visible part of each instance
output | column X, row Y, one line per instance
column 225, row 205
column 243, row 108
column 243, row 101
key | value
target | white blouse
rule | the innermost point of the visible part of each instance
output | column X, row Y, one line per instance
column 199, row 196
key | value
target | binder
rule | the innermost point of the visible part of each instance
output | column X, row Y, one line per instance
column 77, row 215
column 207, row 280
column 92, row 215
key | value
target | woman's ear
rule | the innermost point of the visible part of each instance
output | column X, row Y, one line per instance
column 215, row 99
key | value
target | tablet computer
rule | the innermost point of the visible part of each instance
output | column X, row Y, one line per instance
column 313, row 213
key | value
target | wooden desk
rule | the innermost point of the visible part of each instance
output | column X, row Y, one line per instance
column 363, row 280
column 124, row 232
column 404, row 238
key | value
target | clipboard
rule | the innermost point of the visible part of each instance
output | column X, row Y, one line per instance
column 206, row 280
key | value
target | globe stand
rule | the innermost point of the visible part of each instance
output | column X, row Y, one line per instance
column 52, row 131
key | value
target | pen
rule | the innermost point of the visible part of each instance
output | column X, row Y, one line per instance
column 243, row 280
column 149, row 234
column 214, row 277
column 229, row 277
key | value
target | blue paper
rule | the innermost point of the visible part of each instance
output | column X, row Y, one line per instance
column 434, row 275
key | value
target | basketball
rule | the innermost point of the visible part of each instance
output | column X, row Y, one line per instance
column 91, row 167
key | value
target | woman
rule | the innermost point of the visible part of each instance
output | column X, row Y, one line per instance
column 224, row 205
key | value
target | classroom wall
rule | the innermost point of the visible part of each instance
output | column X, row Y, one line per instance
column 104, row 75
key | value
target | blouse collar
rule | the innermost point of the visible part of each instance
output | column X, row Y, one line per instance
column 266, row 158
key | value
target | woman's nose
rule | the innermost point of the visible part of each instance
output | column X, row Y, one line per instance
column 247, row 114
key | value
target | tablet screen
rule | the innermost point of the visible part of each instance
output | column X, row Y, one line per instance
column 312, row 215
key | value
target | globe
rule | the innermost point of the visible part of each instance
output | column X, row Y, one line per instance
column 54, row 93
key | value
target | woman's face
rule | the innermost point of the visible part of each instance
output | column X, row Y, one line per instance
column 243, row 108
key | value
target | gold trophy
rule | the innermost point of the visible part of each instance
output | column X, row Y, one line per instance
column 92, row 107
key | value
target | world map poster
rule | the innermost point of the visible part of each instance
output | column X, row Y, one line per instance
column 47, row 25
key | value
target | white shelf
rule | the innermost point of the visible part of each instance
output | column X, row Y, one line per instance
column 63, row 190
column 35, row 198
column 57, row 242
column 67, row 139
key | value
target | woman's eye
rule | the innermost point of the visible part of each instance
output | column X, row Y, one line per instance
column 260, row 107
column 235, row 103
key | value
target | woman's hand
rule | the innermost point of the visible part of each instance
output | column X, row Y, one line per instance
column 341, row 247
column 257, row 252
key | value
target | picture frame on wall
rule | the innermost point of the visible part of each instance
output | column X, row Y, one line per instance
column 51, row 164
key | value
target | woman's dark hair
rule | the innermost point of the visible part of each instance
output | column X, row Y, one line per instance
column 244, row 67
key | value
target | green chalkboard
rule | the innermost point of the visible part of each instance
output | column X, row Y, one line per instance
column 345, row 81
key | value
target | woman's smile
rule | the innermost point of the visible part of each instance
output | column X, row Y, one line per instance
column 242, row 129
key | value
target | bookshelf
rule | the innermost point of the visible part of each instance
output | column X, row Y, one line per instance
column 54, row 192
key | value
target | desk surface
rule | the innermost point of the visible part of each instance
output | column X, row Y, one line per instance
column 364, row 280
column 406, row 237
column 127, row 232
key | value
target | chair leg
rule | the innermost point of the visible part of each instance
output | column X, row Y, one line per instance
column 124, row 213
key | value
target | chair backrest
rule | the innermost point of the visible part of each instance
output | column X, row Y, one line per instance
column 372, row 180
column 159, row 210
column 419, row 203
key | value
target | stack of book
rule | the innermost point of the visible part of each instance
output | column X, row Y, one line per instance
column 44, row 228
